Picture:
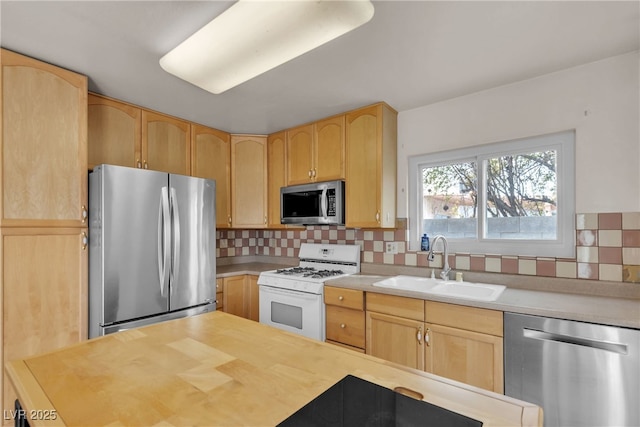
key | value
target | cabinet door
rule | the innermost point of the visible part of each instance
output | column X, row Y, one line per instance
column 300, row 168
column 219, row 294
column 371, row 165
column 211, row 158
column 44, row 144
column 253, row 300
column 233, row 295
column 240, row 296
column 329, row 149
column 166, row 143
column 395, row 339
column 363, row 169
column 114, row 133
column 276, row 177
column 470, row 357
column 248, row 181
column 44, row 291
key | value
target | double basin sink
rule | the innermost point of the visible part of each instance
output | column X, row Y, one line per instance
column 445, row 288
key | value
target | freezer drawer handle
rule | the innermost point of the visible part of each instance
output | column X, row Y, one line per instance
column 585, row 342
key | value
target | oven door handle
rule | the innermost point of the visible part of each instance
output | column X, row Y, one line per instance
column 288, row 292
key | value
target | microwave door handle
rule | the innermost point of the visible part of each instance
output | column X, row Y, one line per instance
column 323, row 203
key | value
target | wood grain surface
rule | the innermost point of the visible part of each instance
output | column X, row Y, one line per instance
column 220, row 369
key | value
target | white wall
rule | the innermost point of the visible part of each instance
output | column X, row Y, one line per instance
column 600, row 100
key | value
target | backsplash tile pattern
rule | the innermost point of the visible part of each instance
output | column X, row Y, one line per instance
column 607, row 248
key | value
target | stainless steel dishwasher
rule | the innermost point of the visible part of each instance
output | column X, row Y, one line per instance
column 581, row 374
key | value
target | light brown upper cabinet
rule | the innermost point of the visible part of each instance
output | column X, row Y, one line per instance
column 276, row 176
column 249, row 181
column 315, row 152
column 329, row 152
column 211, row 159
column 371, row 139
column 300, row 155
column 115, row 135
column 166, row 143
column 44, row 144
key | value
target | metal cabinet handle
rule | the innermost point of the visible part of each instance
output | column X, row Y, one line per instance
column 229, row 219
column 341, row 298
column 146, row 165
column 85, row 240
column 378, row 217
column 614, row 347
column 342, row 325
column 309, row 173
column 314, row 172
column 138, row 164
column 419, row 335
column 427, row 338
column 265, row 220
column 85, row 214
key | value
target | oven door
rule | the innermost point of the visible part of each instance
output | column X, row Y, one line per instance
column 299, row 312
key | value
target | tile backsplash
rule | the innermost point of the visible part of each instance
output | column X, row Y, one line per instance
column 607, row 248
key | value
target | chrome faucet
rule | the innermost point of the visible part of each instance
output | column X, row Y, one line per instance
column 445, row 254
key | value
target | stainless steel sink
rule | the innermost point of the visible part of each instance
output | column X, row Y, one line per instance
column 448, row 288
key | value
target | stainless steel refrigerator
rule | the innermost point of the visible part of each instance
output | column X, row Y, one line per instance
column 152, row 254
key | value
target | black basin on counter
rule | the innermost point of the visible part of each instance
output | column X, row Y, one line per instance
column 355, row 402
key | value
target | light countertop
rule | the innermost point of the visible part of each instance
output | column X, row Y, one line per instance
column 586, row 308
column 602, row 309
column 219, row 369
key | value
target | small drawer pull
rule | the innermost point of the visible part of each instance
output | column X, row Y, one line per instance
column 341, row 298
column 342, row 325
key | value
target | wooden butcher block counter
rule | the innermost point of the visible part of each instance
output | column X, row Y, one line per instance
column 219, row 369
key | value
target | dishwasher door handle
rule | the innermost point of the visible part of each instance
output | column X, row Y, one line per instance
column 584, row 342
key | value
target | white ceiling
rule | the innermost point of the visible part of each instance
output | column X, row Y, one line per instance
column 412, row 53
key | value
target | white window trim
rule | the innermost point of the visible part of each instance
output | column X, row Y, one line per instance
column 565, row 244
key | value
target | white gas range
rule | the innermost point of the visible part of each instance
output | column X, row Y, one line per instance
column 292, row 298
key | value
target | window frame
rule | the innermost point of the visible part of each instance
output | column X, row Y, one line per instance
column 564, row 246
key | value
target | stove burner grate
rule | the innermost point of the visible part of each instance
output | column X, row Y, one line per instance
column 308, row 272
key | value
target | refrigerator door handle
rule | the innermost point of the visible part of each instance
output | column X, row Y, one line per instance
column 164, row 234
column 175, row 224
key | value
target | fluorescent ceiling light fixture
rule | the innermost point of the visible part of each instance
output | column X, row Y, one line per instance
column 254, row 36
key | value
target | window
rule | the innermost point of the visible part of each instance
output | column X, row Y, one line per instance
column 509, row 198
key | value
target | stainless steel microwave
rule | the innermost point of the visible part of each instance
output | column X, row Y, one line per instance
column 311, row 204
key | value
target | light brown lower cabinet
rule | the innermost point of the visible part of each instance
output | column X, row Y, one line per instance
column 449, row 340
column 44, row 293
column 345, row 319
column 219, row 294
column 240, row 296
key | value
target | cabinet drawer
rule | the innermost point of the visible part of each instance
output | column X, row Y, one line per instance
column 469, row 318
column 409, row 308
column 345, row 325
column 348, row 298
